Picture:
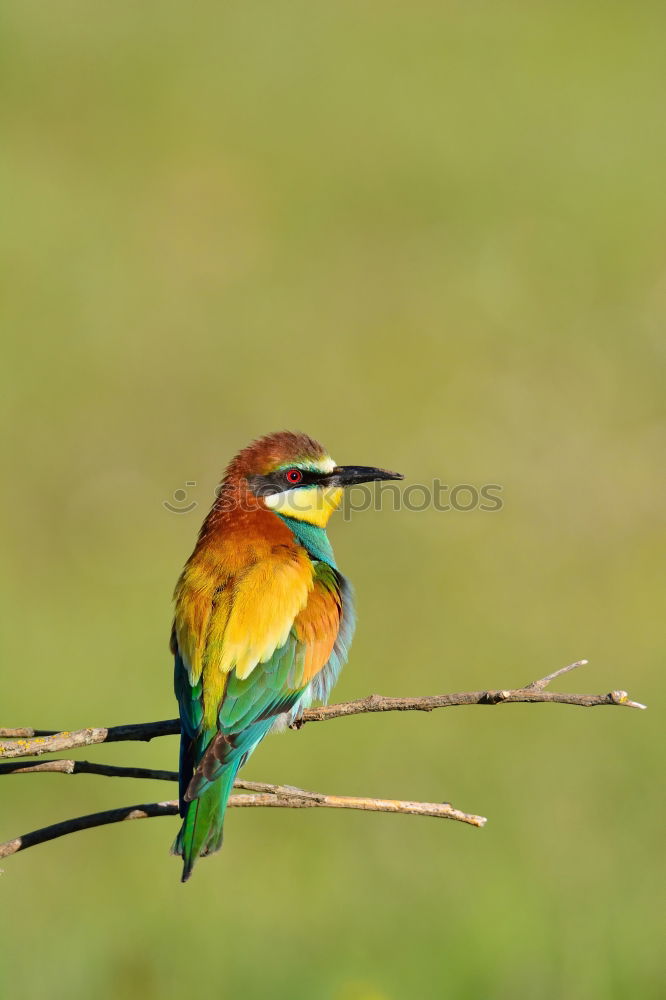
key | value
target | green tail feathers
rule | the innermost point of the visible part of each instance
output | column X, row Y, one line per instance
column 201, row 832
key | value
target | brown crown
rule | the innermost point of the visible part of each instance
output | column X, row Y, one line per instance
column 266, row 453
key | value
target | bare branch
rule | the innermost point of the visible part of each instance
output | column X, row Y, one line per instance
column 21, row 745
column 47, row 833
column 60, row 766
column 533, row 692
column 262, row 795
column 113, row 771
column 36, row 746
column 278, row 795
column 295, row 798
column 28, row 742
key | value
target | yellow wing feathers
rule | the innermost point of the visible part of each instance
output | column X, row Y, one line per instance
column 266, row 599
column 238, row 621
column 194, row 598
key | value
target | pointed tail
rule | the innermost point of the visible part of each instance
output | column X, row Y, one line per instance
column 201, row 832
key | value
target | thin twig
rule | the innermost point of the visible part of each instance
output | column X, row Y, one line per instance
column 533, row 692
column 280, row 796
column 85, row 823
column 543, row 682
column 60, row 766
column 298, row 797
column 34, row 746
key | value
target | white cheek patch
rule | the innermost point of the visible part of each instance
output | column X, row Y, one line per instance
column 273, row 499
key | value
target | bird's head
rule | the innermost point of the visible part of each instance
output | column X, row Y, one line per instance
column 295, row 476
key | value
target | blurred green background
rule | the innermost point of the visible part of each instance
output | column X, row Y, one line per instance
column 433, row 236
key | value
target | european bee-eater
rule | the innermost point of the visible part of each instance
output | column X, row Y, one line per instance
column 263, row 619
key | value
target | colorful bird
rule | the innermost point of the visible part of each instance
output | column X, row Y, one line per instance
column 263, row 619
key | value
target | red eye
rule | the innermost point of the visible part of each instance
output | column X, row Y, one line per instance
column 294, row 476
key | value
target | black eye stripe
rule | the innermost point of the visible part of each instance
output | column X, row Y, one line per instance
column 277, row 482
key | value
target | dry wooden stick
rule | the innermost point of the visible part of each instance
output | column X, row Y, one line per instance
column 47, row 833
column 280, row 796
column 28, row 742
column 533, row 692
column 33, row 743
column 22, row 745
column 60, row 766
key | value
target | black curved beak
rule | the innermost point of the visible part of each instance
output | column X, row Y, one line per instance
column 353, row 475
